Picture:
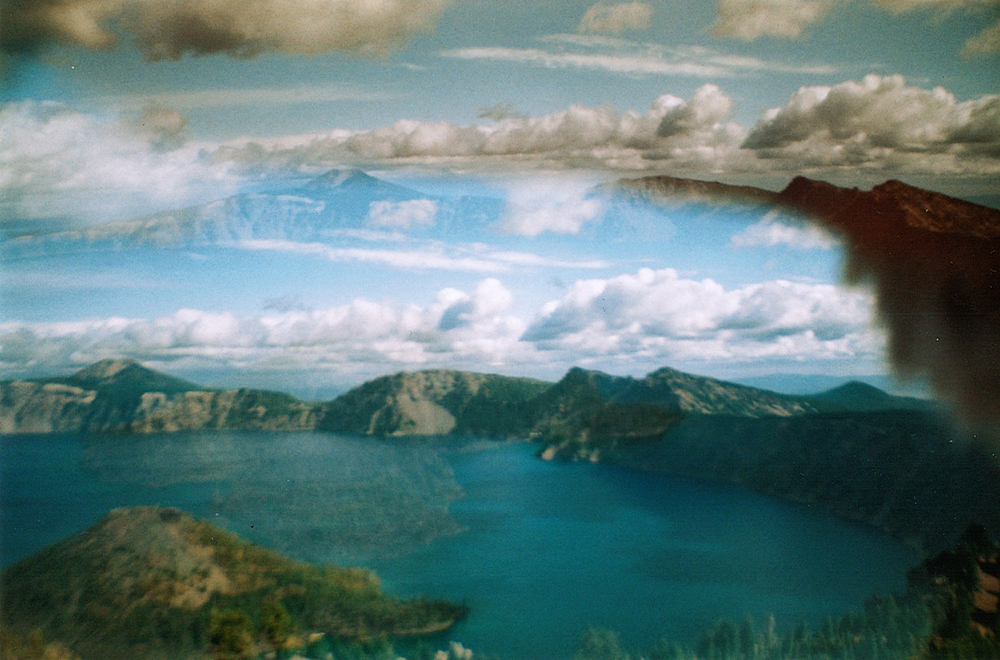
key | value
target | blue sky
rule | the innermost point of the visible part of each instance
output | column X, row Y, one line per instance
column 114, row 110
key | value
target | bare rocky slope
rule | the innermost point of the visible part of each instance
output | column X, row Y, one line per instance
column 436, row 402
column 124, row 396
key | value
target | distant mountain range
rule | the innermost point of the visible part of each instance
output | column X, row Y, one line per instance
column 896, row 462
column 156, row 583
column 899, row 206
column 342, row 198
column 314, row 210
column 124, row 396
column 809, row 383
column 933, row 260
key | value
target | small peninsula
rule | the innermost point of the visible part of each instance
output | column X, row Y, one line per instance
column 153, row 582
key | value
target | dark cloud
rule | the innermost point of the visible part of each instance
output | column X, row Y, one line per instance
column 238, row 28
column 28, row 25
column 881, row 121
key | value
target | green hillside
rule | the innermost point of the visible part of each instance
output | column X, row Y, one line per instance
column 156, row 583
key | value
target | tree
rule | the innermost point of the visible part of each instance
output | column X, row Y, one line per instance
column 666, row 650
column 319, row 648
column 229, row 635
column 978, row 541
column 276, row 624
column 720, row 642
column 600, row 644
column 748, row 639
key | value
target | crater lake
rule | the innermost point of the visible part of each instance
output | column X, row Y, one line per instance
column 538, row 550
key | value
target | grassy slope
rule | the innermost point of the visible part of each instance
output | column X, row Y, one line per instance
column 145, row 582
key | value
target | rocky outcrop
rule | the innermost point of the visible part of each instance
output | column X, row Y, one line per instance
column 708, row 396
column 589, row 415
column 890, row 211
column 124, row 396
column 436, row 402
column 243, row 409
column 32, row 407
column 584, row 404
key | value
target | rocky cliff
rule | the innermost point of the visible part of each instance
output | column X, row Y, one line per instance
column 124, row 396
column 436, row 402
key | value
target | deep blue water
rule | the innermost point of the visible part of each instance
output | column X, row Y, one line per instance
column 539, row 551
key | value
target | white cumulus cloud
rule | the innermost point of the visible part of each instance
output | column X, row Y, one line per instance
column 663, row 316
column 881, row 122
column 751, row 19
column 697, row 136
column 770, row 231
column 403, row 215
column 455, row 326
column 55, row 161
column 58, row 162
column 604, row 18
column 879, row 127
column 557, row 206
column 648, row 318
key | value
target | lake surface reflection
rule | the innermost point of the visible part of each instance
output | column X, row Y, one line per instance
column 539, row 551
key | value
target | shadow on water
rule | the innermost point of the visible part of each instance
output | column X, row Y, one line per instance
column 314, row 497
